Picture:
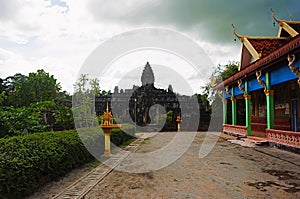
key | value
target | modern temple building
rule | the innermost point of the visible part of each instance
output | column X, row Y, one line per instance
column 262, row 98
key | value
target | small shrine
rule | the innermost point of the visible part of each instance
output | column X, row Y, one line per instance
column 178, row 121
column 107, row 126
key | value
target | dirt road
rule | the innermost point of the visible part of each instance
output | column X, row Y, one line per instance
column 229, row 171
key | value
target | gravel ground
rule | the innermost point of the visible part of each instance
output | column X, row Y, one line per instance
column 229, row 171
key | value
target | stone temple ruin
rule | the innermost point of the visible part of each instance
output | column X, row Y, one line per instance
column 144, row 105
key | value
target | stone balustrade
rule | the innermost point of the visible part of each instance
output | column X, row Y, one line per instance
column 287, row 138
column 235, row 129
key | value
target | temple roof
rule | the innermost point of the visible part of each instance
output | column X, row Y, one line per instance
column 261, row 52
column 255, row 48
column 287, row 27
column 292, row 45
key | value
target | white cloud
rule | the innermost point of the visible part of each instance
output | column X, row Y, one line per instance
column 221, row 53
column 11, row 63
column 37, row 34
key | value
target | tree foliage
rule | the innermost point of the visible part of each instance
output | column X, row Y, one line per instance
column 168, row 119
column 221, row 72
column 33, row 103
column 36, row 87
column 87, row 85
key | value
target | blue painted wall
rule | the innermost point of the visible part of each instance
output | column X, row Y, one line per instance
column 280, row 75
column 253, row 84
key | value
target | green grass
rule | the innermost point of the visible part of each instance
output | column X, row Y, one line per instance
column 146, row 141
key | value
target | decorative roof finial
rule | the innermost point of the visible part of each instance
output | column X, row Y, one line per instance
column 291, row 17
column 235, row 33
column 273, row 15
column 107, row 106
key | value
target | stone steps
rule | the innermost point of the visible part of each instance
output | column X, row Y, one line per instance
column 248, row 141
column 258, row 141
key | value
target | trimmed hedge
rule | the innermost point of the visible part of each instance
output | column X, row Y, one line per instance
column 118, row 136
column 28, row 162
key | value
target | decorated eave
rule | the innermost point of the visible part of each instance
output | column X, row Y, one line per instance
column 291, row 47
column 259, row 53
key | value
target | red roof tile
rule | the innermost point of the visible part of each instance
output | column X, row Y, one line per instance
column 265, row 46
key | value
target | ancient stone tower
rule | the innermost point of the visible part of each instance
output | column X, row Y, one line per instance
column 147, row 75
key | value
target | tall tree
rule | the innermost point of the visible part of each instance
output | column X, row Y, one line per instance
column 95, row 86
column 44, row 86
column 36, row 87
column 83, row 79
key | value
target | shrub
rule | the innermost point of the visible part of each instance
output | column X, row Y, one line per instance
column 28, row 162
column 119, row 136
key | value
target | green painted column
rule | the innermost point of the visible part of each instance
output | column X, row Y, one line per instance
column 248, row 109
column 233, row 101
column 224, row 102
column 270, row 102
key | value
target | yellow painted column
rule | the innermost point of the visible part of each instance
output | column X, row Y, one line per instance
column 107, row 152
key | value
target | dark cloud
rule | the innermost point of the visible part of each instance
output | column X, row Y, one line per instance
column 210, row 19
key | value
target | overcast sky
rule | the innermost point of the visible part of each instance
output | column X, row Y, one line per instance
column 58, row 35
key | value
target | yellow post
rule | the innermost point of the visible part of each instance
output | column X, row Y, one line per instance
column 107, row 152
column 178, row 120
